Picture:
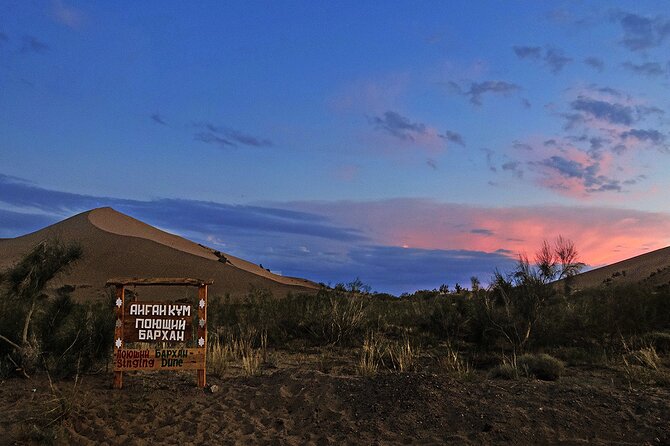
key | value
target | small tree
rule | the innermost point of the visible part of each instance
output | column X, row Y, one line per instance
column 521, row 296
column 25, row 282
column 475, row 285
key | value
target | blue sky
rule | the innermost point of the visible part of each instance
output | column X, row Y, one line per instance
column 407, row 143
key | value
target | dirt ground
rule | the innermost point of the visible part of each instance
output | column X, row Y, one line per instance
column 304, row 401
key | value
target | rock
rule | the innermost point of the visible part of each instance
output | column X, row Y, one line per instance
column 213, row 388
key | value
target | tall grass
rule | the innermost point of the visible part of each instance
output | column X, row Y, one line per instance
column 403, row 355
column 453, row 362
column 370, row 356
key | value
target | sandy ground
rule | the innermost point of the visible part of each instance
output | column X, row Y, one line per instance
column 309, row 402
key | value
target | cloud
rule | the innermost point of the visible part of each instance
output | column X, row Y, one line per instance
column 610, row 120
column 522, row 146
column 428, row 224
column 454, row 137
column 596, row 63
column 184, row 215
column 489, row 159
column 606, row 90
column 432, row 164
column 582, row 165
column 528, row 52
column 399, row 126
column 335, row 241
column 646, row 69
column 640, row 32
column 14, row 223
column 67, row 15
column 587, row 174
column 158, row 119
column 477, row 90
column 416, row 268
column 32, row 45
column 652, row 136
column 554, row 58
column 226, row 137
column 613, row 113
column 403, row 129
column 513, row 167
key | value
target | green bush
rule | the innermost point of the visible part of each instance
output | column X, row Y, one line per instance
column 75, row 337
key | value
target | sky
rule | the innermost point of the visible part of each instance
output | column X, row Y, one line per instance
column 409, row 144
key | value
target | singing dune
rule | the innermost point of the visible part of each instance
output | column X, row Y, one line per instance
column 651, row 269
column 117, row 245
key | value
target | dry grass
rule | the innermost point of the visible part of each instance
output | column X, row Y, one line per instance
column 403, row 355
column 251, row 362
column 368, row 365
column 454, row 364
column 507, row 370
column 248, row 346
column 219, row 356
column 643, row 365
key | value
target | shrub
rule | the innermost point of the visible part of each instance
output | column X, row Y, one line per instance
column 504, row 371
column 542, row 366
column 660, row 341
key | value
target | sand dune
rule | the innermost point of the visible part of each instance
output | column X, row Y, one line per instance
column 116, row 245
column 652, row 269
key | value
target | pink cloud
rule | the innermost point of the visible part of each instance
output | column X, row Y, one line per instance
column 602, row 235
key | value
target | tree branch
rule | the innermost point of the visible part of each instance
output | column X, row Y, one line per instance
column 10, row 342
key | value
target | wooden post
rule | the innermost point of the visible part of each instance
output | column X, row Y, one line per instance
column 202, row 333
column 118, row 331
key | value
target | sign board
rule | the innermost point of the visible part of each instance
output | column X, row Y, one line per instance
column 158, row 322
column 158, row 359
column 168, row 323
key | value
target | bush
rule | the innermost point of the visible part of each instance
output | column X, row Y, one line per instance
column 75, row 337
column 660, row 341
column 542, row 366
column 504, row 371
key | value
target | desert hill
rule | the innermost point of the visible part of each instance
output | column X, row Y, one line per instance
column 116, row 245
column 652, row 268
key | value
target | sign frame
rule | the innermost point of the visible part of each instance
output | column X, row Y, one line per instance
column 199, row 352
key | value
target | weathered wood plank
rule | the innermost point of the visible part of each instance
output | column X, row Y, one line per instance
column 118, row 331
column 158, row 359
column 202, row 333
column 157, row 281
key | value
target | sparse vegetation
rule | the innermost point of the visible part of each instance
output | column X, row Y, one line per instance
column 403, row 354
column 541, row 366
column 370, row 356
column 506, row 329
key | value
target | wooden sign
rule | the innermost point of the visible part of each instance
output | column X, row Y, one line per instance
column 158, row 322
column 165, row 322
column 158, row 359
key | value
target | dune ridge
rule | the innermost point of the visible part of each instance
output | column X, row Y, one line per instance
column 117, row 245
